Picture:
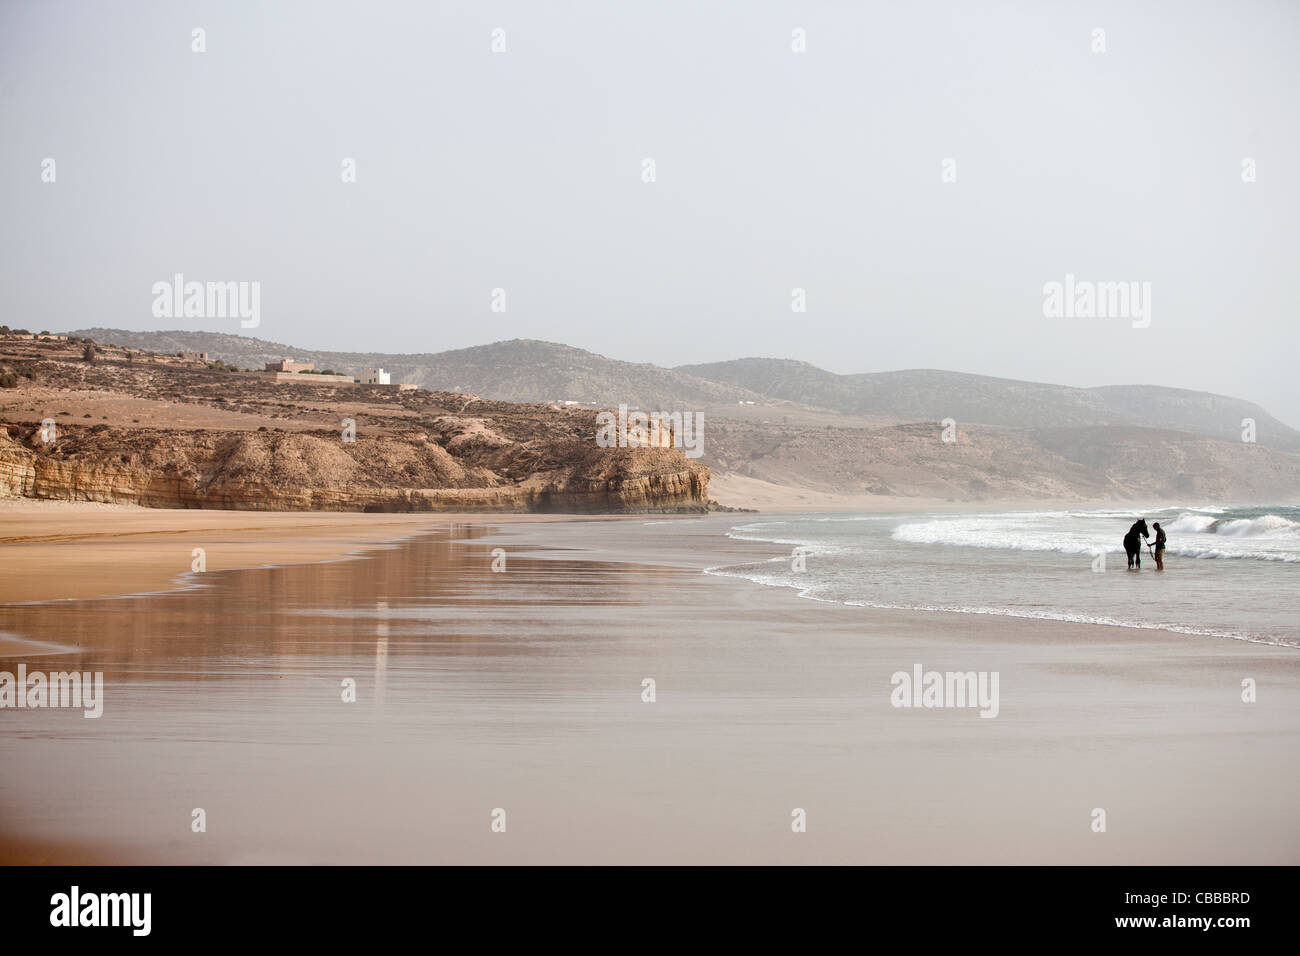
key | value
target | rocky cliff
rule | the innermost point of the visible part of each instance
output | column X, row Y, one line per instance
column 319, row 472
column 165, row 433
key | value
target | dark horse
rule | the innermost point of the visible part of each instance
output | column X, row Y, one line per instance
column 1133, row 546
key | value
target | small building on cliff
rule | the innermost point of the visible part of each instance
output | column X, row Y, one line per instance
column 289, row 365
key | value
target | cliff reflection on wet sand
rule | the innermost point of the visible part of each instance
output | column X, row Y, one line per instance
column 334, row 611
column 205, row 677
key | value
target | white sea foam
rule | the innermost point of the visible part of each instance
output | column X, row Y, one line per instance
column 1190, row 524
column 998, row 532
column 1265, row 526
column 810, row 591
column 947, row 562
column 1269, row 537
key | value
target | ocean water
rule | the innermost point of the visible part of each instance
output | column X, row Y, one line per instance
column 1229, row 572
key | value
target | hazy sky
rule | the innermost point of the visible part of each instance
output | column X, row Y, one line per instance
column 774, row 170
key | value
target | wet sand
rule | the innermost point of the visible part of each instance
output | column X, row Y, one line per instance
column 521, row 689
column 56, row 550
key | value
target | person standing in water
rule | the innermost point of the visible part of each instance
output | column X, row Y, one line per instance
column 1160, row 545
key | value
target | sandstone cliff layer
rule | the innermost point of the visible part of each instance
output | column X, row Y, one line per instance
column 463, row 468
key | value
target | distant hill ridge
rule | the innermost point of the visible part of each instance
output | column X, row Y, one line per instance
column 528, row 370
column 929, row 394
column 518, row 370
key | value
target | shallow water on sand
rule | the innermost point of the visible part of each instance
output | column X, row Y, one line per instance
column 1232, row 573
column 228, row 697
column 522, row 690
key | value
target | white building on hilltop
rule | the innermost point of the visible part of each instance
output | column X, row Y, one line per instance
column 374, row 376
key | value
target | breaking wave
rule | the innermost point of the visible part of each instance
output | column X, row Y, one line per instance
column 1268, row 537
column 1265, row 526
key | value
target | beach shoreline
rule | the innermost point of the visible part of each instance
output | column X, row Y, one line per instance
column 767, row 702
column 62, row 550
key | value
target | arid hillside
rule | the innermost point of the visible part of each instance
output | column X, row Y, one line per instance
column 520, row 370
column 988, row 463
column 526, row 370
column 1070, row 444
column 136, row 428
column 933, row 395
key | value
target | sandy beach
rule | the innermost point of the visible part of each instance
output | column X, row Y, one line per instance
column 59, row 550
column 521, row 689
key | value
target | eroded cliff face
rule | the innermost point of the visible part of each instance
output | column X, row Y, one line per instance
column 463, row 466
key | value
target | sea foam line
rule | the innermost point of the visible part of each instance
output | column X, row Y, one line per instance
column 731, row 571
